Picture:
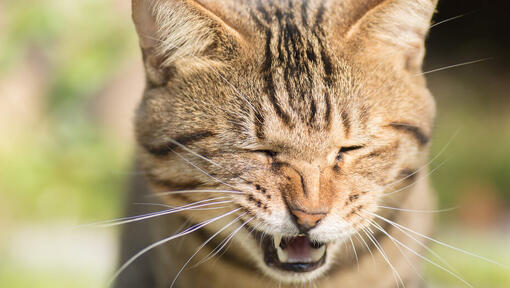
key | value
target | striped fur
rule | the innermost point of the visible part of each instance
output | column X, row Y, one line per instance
column 311, row 106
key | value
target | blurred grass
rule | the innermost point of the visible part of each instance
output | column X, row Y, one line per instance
column 478, row 129
column 68, row 169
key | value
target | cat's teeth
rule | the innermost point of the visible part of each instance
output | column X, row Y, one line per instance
column 283, row 256
column 318, row 253
column 277, row 240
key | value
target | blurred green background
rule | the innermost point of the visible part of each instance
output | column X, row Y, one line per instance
column 70, row 77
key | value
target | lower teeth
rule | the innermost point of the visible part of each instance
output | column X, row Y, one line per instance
column 318, row 253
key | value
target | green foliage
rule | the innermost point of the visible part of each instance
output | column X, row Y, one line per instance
column 75, row 174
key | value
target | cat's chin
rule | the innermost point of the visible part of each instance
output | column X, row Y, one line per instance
column 292, row 259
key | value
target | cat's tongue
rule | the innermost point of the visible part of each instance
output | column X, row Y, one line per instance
column 299, row 250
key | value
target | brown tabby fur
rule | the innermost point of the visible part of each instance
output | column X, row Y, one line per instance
column 270, row 91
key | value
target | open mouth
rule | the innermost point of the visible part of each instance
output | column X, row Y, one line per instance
column 293, row 254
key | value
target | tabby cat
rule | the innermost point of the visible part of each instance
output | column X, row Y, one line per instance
column 290, row 133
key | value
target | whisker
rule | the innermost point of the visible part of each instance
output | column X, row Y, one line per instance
column 366, row 245
column 374, row 241
column 425, row 258
column 418, row 211
column 166, row 212
column 428, row 163
column 195, row 191
column 223, row 243
column 183, row 147
column 441, row 259
column 454, row 66
column 201, row 170
column 203, row 245
column 130, row 219
column 163, row 241
column 174, row 207
column 399, row 249
column 426, row 175
column 451, row 19
column 438, row 242
column 354, row 250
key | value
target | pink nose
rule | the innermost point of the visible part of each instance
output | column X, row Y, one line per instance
column 307, row 220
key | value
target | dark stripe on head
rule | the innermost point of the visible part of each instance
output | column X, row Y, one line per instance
column 412, row 130
column 327, row 117
column 320, row 15
column 304, row 12
column 384, row 151
column 364, row 115
column 310, row 54
column 259, row 124
column 346, row 122
column 313, row 112
column 262, row 10
column 268, row 77
column 328, row 66
column 164, row 150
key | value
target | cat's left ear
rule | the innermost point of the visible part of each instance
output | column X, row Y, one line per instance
column 182, row 35
column 397, row 29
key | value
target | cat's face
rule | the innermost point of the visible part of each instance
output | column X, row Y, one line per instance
column 309, row 118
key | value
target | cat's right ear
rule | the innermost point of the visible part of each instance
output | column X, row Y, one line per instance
column 180, row 34
column 395, row 29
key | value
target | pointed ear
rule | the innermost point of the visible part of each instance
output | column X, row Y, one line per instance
column 173, row 32
column 395, row 27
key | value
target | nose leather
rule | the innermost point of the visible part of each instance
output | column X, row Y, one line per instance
column 305, row 220
column 307, row 193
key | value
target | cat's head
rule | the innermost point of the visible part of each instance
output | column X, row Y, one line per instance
column 306, row 111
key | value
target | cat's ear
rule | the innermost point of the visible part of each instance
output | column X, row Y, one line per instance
column 179, row 32
column 395, row 28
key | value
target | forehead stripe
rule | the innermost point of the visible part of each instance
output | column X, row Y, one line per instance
column 412, row 130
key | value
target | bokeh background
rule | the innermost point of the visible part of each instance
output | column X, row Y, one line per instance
column 71, row 75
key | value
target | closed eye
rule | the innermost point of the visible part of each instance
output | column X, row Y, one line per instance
column 345, row 150
column 269, row 153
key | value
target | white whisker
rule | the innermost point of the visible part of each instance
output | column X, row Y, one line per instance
column 428, row 163
column 203, row 245
column 136, row 218
column 417, row 211
column 450, row 19
column 195, row 191
column 454, row 66
column 399, row 249
column 223, row 243
column 156, row 244
column 201, row 170
column 425, row 258
column 374, row 241
column 426, row 175
column 174, row 207
column 354, row 250
column 439, row 242
column 366, row 245
column 425, row 247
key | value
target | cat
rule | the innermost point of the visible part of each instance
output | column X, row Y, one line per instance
column 290, row 133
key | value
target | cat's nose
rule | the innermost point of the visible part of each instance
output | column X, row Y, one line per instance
column 307, row 220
